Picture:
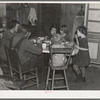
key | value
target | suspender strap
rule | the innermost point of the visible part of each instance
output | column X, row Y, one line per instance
column 17, row 46
column 10, row 45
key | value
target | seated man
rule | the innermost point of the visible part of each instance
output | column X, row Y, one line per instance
column 5, row 41
column 14, row 25
column 27, row 51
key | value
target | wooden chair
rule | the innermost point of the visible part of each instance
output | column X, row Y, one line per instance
column 4, row 68
column 15, row 69
column 67, row 52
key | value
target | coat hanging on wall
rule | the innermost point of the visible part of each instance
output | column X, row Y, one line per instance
column 32, row 16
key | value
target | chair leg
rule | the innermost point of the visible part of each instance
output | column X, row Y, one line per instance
column 37, row 79
column 47, row 81
column 66, row 82
column 53, row 79
column 24, row 77
column 21, row 77
column 11, row 73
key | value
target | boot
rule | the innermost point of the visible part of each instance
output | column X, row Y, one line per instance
column 83, row 79
column 79, row 78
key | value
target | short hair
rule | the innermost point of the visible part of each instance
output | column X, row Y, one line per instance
column 63, row 26
column 82, row 29
column 54, row 26
column 12, row 24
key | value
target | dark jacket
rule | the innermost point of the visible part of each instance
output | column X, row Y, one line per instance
column 27, row 50
column 5, row 42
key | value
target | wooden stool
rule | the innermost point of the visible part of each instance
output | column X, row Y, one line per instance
column 53, row 79
column 66, row 52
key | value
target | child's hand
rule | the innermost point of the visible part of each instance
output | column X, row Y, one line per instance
column 76, row 46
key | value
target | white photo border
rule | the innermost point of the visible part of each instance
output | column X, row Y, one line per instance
column 32, row 94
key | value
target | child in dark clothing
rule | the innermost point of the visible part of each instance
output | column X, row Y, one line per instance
column 82, row 59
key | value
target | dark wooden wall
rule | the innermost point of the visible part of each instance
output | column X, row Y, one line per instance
column 24, row 12
column 58, row 14
column 68, row 15
column 19, row 12
column 48, row 14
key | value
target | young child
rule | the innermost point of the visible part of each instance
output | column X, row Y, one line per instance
column 82, row 59
column 58, row 59
column 53, row 30
column 64, row 33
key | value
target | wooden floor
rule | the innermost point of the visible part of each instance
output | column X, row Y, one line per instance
column 92, row 75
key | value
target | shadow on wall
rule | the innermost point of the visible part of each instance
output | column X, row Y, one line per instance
column 68, row 15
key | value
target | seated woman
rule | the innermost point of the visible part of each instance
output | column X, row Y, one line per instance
column 64, row 33
column 58, row 59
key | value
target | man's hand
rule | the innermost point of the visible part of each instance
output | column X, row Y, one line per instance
column 39, row 41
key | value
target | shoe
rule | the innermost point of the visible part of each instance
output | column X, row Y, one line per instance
column 79, row 78
column 83, row 79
